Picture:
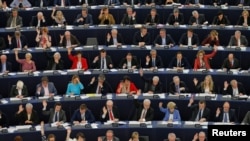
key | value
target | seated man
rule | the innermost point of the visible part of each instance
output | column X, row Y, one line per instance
column 126, row 86
column 14, row 19
column 38, row 20
column 177, row 87
column 152, row 85
column 144, row 111
column 109, row 112
column 56, row 114
column 201, row 136
column 142, row 37
column 99, row 86
column 221, row 19
column 114, row 38
column 153, row 61
column 226, row 114
column 5, row 65
column 112, row 2
column 82, row 116
column 189, row 39
column 46, row 88
column 197, row 19
column 175, row 18
column 179, row 62
column 103, row 61
column 199, row 111
column 246, row 120
column 84, row 18
column 18, row 41
column 231, row 62
column 68, row 40
column 129, row 18
column 20, row 4
column 27, row 116
column 234, row 89
column 109, row 136
column 129, row 62
column 152, row 18
column 238, row 40
column 164, row 39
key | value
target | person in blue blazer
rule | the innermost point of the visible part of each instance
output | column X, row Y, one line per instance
column 82, row 115
column 171, row 114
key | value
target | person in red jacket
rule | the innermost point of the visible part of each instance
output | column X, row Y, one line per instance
column 127, row 87
column 78, row 62
column 202, row 59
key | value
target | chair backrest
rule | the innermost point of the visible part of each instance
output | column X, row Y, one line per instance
column 92, row 42
column 144, row 138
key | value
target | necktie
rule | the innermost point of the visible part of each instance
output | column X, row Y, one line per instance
column 56, row 117
column 4, row 67
column 144, row 114
column 111, row 117
column 153, row 62
column 231, row 64
column 13, row 24
column 18, row 43
column 199, row 116
column 179, row 64
column 177, row 89
column 225, row 117
column 152, row 19
column 132, row 2
column 102, row 64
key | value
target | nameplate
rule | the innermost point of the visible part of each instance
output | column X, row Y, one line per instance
column 155, row 70
column 24, row 100
column 32, row 129
column 4, row 131
column 115, row 124
column 143, row 47
column 229, row 72
column 30, row 73
column 179, row 70
column 105, row 70
column 130, row 97
column 235, row 98
column 119, row 47
column 156, row 96
column 197, row 126
column 204, row 71
column 190, row 47
column 237, row 48
column 143, row 125
column 60, row 127
column 181, row 96
column 80, row 71
column 103, row 97
column 77, row 97
column 130, row 70
column 56, row 72
column 166, row 47
column 208, row 97
column 170, row 125
column 5, row 75
column 87, row 126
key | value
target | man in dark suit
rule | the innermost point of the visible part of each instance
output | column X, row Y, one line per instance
column 56, row 114
column 194, row 2
column 18, row 41
column 82, row 115
column 129, row 18
column 179, row 62
column 109, row 112
column 175, row 18
column 129, row 62
column 189, row 39
column 114, row 38
column 2, row 43
column 246, row 119
column 103, row 61
column 231, row 62
column 62, row 3
column 19, row 90
column 164, row 39
column 41, row 3
column 152, row 18
column 109, row 136
column 151, row 85
column 99, row 86
column 27, row 116
column 197, row 19
column 226, row 115
column 234, row 89
column 153, row 60
column 87, row 2
column 68, row 40
column 199, row 111
column 84, row 18
column 14, row 19
column 5, row 66
column 46, row 88
column 238, row 40
column 142, row 37
column 177, row 87
column 38, row 21
column 143, row 111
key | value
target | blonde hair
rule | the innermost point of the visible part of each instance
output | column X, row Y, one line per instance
column 214, row 33
column 200, row 51
column 19, row 84
column 59, row 15
column 135, row 135
column 171, row 105
column 211, row 82
column 245, row 12
column 28, row 54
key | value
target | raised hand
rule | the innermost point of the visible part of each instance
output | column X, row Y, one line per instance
column 45, row 103
column 104, row 109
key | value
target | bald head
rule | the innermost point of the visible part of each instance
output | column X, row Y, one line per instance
column 109, row 104
column 226, row 107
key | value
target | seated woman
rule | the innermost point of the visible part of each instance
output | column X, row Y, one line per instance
column 19, row 90
column 171, row 114
column 127, row 87
column 206, row 86
column 59, row 19
column 244, row 19
column 78, row 61
column 220, row 19
column 75, row 86
column 212, row 39
column 27, row 64
column 54, row 62
column 136, row 137
column 105, row 17
column 44, row 39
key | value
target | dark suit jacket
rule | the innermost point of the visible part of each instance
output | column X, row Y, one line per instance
column 137, row 38
column 231, row 114
column 106, row 118
column 58, row 2
column 184, row 63
column 4, row 120
column 19, row 21
column 148, row 85
column 246, row 119
column 73, row 39
column 201, row 19
column 34, row 22
column 224, row 21
column 105, row 89
column 90, row 2
column 22, row 117
column 229, row 89
column 51, row 114
column 193, row 1
column 139, row 107
column 87, row 20
column 97, row 64
column 115, row 2
column 226, row 64
column 158, row 62
column 172, row 19
column 119, row 40
column 51, row 62
column 127, row 21
column 124, row 61
column 14, row 91
column 135, row 2
column 89, row 117
column 14, row 42
column 172, row 88
column 233, row 41
column 2, row 44
column 51, row 87
column 151, row 21
column 168, row 40
column 45, row 3
column 8, row 66
column 195, row 111
column 184, row 39
column 241, row 20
